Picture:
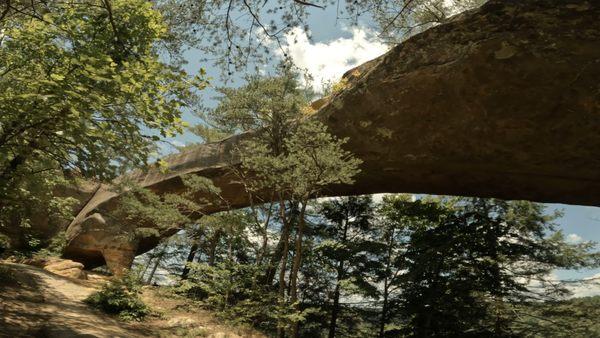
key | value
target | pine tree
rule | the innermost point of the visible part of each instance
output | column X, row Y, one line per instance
column 345, row 246
column 288, row 156
column 466, row 264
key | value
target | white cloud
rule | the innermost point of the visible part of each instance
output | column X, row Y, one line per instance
column 573, row 238
column 328, row 61
column 579, row 287
column 177, row 143
column 590, row 287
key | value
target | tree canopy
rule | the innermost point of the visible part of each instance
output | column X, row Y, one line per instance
column 85, row 93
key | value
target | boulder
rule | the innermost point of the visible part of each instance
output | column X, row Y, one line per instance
column 58, row 266
column 66, row 268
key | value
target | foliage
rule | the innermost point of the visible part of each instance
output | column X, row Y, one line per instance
column 455, row 283
column 144, row 213
column 405, row 267
column 334, row 87
column 121, row 297
column 55, row 246
column 285, row 155
column 238, row 35
column 311, row 160
column 398, row 19
column 247, row 33
column 294, row 159
column 345, row 247
column 232, row 290
column 34, row 196
column 268, row 105
column 83, row 90
column 89, row 102
column 575, row 317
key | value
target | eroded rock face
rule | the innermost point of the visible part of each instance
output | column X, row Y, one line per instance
column 44, row 225
column 503, row 101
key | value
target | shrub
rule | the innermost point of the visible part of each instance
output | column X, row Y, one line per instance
column 121, row 297
column 232, row 290
column 55, row 246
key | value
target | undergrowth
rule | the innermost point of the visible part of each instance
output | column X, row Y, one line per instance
column 121, row 297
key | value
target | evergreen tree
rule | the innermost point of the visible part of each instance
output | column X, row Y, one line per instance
column 288, row 156
column 397, row 216
column 346, row 247
column 468, row 262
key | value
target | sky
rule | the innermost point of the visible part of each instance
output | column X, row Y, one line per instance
column 336, row 47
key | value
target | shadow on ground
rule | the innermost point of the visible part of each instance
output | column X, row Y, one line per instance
column 37, row 303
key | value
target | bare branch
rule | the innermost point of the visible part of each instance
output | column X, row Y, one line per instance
column 304, row 3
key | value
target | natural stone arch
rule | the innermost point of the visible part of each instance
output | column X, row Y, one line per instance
column 502, row 101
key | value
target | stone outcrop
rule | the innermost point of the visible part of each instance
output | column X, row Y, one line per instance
column 61, row 267
column 44, row 225
column 502, row 101
column 66, row 268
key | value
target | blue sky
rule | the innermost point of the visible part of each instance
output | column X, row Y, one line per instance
column 336, row 46
column 583, row 222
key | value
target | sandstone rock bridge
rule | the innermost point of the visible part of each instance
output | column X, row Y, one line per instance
column 502, row 101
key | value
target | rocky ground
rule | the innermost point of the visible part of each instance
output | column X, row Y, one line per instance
column 38, row 303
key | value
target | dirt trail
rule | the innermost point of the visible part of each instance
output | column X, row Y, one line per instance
column 38, row 303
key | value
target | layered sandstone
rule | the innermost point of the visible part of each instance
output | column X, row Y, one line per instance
column 502, row 101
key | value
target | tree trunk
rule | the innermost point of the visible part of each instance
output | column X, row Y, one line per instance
column 190, row 259
column 384, row 309
column 277, row 255
column 274, row 261
column 265, row 237
column 282, row 283
column 213, row 248
column 386, row 282
column 146, row 266
column 158, row 259
column 335, row 309
column 262, row 251
column 285, row 235
column 340, row 275
column 265, row 242
column 229, row 240
column 296, row 265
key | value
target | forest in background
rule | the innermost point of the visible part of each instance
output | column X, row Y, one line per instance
column 400, row 267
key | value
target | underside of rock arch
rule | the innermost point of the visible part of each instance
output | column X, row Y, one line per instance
column 502, row 101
